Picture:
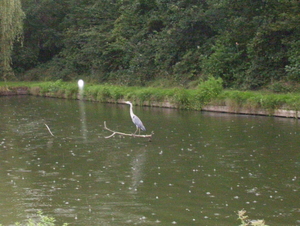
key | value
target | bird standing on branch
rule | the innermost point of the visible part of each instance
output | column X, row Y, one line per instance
column 137, row 122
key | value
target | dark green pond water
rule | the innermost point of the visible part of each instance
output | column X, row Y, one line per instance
column 199, row 169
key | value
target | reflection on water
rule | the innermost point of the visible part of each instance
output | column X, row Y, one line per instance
column 137, row 165
column 200, row 169
column 83, row 120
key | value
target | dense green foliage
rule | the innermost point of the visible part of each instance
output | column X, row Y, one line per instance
column 11, row 28
column 248, row 44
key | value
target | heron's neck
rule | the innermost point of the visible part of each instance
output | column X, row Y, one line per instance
column 131, row 111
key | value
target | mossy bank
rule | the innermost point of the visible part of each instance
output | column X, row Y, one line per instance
column 208, row 95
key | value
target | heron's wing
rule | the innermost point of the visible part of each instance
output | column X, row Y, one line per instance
column 136, row 120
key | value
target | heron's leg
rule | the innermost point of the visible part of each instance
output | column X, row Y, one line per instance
column 136, row 130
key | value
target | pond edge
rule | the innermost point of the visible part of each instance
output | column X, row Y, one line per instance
column 167, row 104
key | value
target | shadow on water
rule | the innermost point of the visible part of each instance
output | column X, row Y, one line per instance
column 200, row 169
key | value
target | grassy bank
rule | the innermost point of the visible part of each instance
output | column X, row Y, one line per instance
column 206, row 93
column 258, row 100
column 178, row 97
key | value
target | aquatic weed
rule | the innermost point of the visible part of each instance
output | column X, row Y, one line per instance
column 247, row 222
column 41, row 221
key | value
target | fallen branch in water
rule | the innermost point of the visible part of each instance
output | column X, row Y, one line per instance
column 49, row 129
column 125, row 134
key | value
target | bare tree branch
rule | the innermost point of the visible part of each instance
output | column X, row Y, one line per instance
column 49, row 129
column 126, row 134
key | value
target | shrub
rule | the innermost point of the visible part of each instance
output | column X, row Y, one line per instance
column 181, row 98
column 208, row 90
column 280, row 87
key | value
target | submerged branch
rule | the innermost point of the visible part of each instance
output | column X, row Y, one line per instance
column 49, row 129
column 126, row 134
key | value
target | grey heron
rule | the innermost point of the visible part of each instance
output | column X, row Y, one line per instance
column 137, row 122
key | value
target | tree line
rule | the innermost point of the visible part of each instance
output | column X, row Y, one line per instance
column 247, row 43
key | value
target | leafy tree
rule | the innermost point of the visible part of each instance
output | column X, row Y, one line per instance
column 11, row 28
column 247, row 43
column 42, row 34
column 87, row 37
column 293, row 69
column 251, row 50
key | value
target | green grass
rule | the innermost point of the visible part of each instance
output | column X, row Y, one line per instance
column 207, row 92
column 264, row 100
